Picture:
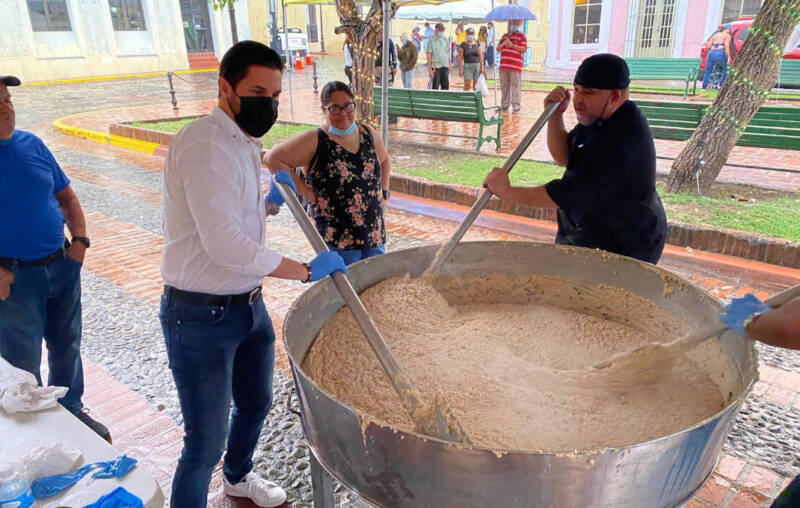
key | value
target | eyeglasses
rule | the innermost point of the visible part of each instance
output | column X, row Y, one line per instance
column 336, row 109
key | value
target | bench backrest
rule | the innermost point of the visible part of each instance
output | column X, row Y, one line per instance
column 789, row 73
column 432, row 104
column 662, row 67
column 771, row 126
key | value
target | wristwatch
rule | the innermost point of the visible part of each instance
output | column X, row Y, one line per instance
column 308, row 277
column 386, row 194
column 83, row 239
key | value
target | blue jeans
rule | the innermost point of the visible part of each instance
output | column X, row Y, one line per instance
column 408, row 78
column 217, row 354
column 351, row 256
column 45, row 302
column 715, row 58
column 489, row 56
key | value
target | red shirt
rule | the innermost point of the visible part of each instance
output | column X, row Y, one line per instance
column 511, row 59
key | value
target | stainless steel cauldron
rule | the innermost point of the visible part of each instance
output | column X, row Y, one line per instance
column 392, row 468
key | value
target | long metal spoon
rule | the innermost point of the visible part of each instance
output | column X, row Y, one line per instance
column 435, row 419
column 659, row 356
column 444, row 253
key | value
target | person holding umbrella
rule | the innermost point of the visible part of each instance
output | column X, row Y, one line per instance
column 512, row 47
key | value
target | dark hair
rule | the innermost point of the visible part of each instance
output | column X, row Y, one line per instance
column 331, row 87
column 242, row 55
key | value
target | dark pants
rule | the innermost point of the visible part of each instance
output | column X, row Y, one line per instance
column 790, row 497
column 217, row 354
column 45, row 302
column 489, row 56
column 716, row 62
column 441, row 78
column 348, row 71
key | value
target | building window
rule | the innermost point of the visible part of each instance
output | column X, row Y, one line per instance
column 127, row 15
column 586, row 21
column 49, row 15
column 734, row 9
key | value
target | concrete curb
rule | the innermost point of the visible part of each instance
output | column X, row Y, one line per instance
column 112, row 78
column 720, row 241
column 104, row 138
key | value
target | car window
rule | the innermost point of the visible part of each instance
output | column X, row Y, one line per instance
column 743, row 34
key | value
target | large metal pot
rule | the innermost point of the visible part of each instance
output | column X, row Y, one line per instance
column 393, row 468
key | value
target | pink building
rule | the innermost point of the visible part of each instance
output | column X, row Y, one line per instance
column 636, row 28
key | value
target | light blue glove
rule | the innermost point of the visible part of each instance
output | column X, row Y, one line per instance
column 325, row 264
column 740, row 310
column 274, row 195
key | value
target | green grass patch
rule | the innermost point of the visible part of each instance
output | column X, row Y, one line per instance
column 773, row 214
column 279, row 132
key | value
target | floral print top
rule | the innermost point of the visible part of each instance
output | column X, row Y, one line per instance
column 349, row 208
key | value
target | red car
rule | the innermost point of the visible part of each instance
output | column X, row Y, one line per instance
column 740, row 29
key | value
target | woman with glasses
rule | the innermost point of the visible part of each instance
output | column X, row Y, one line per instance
column 346, row 176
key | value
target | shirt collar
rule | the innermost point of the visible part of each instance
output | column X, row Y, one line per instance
column 233, row 129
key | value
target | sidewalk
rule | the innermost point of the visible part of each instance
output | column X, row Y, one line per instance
column 306, row 110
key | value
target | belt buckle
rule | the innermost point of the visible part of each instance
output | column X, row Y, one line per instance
column 253, row 295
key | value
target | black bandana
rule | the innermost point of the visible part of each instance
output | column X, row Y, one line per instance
column 603, row 71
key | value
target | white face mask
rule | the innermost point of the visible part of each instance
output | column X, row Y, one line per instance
column 513, row 28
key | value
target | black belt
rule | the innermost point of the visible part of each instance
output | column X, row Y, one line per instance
column 10, row 263
column 193, row 298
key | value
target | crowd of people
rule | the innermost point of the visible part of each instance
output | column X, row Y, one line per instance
column 465, row 52
column 218, row 335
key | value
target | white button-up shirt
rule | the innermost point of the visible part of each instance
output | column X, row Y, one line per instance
column 214, row 212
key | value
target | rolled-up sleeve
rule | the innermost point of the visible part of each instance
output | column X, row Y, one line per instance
column 213, row 188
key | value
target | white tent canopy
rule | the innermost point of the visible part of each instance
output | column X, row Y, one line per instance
column 468, row 11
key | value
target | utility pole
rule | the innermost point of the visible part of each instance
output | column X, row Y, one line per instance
column 321, row 32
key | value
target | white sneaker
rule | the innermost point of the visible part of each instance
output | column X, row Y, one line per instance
column 258, row 490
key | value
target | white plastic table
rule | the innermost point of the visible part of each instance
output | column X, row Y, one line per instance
column 19, row 431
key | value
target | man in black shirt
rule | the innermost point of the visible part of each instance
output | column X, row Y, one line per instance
column 607, row 197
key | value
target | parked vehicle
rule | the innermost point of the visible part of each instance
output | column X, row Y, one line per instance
column 740, row 30
column 297, row 41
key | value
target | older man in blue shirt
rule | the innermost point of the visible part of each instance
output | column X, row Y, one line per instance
column 40, row 285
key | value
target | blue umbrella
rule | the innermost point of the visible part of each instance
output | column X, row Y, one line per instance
column 507, row 12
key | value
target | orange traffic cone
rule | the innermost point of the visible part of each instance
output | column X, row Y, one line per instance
column 308, row 59
column 298, row 62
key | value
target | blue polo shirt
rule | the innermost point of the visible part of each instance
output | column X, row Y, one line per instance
column 31, row 224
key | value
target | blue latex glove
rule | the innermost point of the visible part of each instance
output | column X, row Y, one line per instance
column 274, row 195
column 117, row 498
column 325, row 264
column 52, row 485
column 740, row 310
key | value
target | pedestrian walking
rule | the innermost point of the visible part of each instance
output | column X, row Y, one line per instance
column 417, row 38
column 718, row 59
column 438, row 56
column 40, row 281
column 378, row 71
column 348, row 173
column 490, row 44
column 429, row 32
column 512, row 47
column 219, row 338
column 407, row 55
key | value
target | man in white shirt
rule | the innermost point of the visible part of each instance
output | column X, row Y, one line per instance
column 219, row 337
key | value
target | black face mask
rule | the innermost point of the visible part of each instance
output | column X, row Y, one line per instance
column 256, row 115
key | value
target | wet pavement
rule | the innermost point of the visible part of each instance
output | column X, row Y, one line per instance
column 121, row 193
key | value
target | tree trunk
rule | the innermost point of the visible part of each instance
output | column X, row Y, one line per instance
column 744, row 91
column 363, row 37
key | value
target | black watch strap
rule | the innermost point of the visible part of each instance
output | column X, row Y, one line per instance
column 83, row 239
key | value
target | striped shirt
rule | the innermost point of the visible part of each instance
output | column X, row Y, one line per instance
column 511, row 59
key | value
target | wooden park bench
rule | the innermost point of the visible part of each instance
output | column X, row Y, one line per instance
column 442, row 105
column 789, row 74
column 771, row 126
column 666, row 69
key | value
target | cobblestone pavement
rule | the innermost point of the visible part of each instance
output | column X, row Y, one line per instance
column 130, row 387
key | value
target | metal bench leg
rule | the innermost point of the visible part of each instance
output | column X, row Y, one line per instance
column 322, row 484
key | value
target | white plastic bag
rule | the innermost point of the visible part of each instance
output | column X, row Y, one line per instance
column 480, row 86
column 41, row 461
column 19, row 392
